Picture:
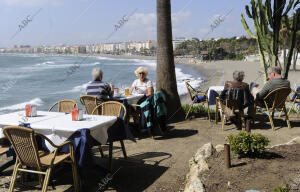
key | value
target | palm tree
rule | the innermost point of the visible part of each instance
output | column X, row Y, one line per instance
column 165, row 70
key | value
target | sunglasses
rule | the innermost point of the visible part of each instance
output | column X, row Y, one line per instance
column 141, row 73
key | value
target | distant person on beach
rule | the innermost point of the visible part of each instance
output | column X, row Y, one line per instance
column 239, row 91
column 275, row 81
column 98, row 88
column 142, row 85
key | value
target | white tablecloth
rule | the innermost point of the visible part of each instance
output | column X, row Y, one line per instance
column 132, row 99
column 58, row 127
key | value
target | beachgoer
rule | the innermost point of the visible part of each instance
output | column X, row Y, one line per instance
column 275, row 81
column 142, row 85
column 98, row 88
column 238, row 91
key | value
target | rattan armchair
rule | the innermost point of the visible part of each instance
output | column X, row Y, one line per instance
column 232, row 105
column 193, row 93
column 111, row 108
column 90, row 103
column 65, row 106
column 275, row 100
column 28, row 155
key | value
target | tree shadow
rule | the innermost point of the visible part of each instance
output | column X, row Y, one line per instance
column 177, row 133
column 127, row 175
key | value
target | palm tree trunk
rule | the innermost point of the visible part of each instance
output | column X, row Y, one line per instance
column 165, row 70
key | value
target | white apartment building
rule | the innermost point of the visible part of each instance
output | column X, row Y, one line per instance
column 177, row 41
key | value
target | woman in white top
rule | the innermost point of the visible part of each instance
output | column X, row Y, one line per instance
column 142, row 85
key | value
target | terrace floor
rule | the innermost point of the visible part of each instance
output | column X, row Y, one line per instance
column 159, row 164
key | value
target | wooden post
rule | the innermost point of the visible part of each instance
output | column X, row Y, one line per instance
column 227, row 156
column 248, row 126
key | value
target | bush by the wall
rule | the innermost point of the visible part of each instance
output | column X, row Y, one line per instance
column 247, row 144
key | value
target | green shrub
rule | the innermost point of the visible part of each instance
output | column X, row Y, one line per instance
column 248, row 144
column 196, row 109
column 285, row 188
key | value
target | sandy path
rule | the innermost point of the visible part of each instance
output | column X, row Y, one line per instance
column 161, row 164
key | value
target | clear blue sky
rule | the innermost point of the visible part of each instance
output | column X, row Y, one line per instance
column 91, row 21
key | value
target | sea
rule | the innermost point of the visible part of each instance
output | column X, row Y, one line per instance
column 43, row 80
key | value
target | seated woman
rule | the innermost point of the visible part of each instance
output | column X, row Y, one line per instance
column 99, row 88
column 242, row 97
column 142, row 85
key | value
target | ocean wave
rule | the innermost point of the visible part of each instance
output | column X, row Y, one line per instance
column 76, row 89
column 50, row 64
column 36, row 101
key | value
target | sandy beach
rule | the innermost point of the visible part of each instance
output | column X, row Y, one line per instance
column 217, row 72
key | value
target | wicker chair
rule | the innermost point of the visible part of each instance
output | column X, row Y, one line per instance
column 111, row 108
column 90, row 103
column 193, row 95
column 65, row 106
column 25, row 146
column 232, row 105
column 275, row 100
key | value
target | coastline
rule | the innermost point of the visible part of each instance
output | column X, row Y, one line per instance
column 213, row 73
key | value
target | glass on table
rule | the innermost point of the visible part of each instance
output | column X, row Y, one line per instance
column 126, row 91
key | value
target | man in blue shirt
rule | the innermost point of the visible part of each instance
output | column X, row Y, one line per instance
column 98, row 88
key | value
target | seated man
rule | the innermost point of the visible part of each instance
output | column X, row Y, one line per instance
column 238, row 92
column 99, row 88
column 274, row 81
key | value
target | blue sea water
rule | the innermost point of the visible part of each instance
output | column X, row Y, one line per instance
column 44, row 79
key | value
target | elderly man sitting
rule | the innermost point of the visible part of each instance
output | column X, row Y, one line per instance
column 275, row 81
column 99, row 88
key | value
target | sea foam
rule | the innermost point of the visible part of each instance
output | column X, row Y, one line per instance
column 36, row 101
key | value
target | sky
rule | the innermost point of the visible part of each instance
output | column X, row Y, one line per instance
column 70, row 22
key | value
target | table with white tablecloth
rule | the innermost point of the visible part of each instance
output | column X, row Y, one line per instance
column 59, row 127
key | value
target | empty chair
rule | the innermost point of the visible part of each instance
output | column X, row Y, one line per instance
column 197, row 96
column 40, row 162
column 90, row 103
column 65, row 106
column 112, row 108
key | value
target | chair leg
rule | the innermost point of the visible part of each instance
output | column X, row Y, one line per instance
column 110, row 156
column 217, row 111
column 75, row 174
column 243, row 120
column 223, row 121
column 14, row 176
column 208, row 110
column 41, row 179
column 46, row 180
column 287, row 118
column 271, row 119
column 101, row 151
column 189, row 110
column 123, row 149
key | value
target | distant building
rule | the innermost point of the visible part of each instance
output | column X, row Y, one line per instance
column 177, row 41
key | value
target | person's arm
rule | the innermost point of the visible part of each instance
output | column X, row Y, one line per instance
column 132, row 87
column 150, row 89
column 112, row 89
column 264, row 91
